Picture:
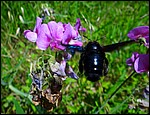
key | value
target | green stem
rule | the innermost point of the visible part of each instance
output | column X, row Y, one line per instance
column 125, row 100
column 115, row 92
column 17, row 91
column 121, row 85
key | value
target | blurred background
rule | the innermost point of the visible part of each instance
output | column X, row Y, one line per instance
column 106, row 22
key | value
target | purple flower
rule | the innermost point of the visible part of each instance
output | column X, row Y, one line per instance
column 43, row 39
column 54, row 34
column 130, row 61
column 62, row 34
column 40, row 35
column 66, row 56
column 32, row 36
column 140, row 32
column 78, row 26
column 71, row 73
column 140, row 62
column 70, row 36
column 62, row 69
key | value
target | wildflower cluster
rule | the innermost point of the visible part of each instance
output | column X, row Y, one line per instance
column 140, row 62
column 47, row 77
column 54, row 34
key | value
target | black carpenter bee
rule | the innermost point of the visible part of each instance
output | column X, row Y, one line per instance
column 93, row 61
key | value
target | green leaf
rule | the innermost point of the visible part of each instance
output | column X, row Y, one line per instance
column 22, row 44
column 19, row 110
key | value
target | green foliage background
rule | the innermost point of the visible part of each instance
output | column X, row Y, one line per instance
column 110, row 22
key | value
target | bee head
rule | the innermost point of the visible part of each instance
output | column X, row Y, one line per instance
column 94, row 46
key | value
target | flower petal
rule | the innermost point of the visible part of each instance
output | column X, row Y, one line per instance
column 142, row 63
column 38, row 24
column 78, row 25
column 61, row 69
column 137, row 32
column 67, row 56
column 71, row 73
column 69, row 34
column 59, row 46
column 130, row 61
column 31, row 36
column 60, row 31
column 43, row 40
column 75, row 43
column 82, row 29
column 52, row 25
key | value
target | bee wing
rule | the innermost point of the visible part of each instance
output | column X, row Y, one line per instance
column 112, row 47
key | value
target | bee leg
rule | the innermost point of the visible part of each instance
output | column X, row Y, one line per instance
column 81, row 64
column 72, row 51
column 105, row 66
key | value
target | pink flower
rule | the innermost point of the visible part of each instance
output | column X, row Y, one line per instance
column 140, row 62
column 54, row 35
column 76, row 41
column 70, row 36
column 32, row 36
column 63, row 34
column 40, row 35
column 140, row 32
column 43, row 40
